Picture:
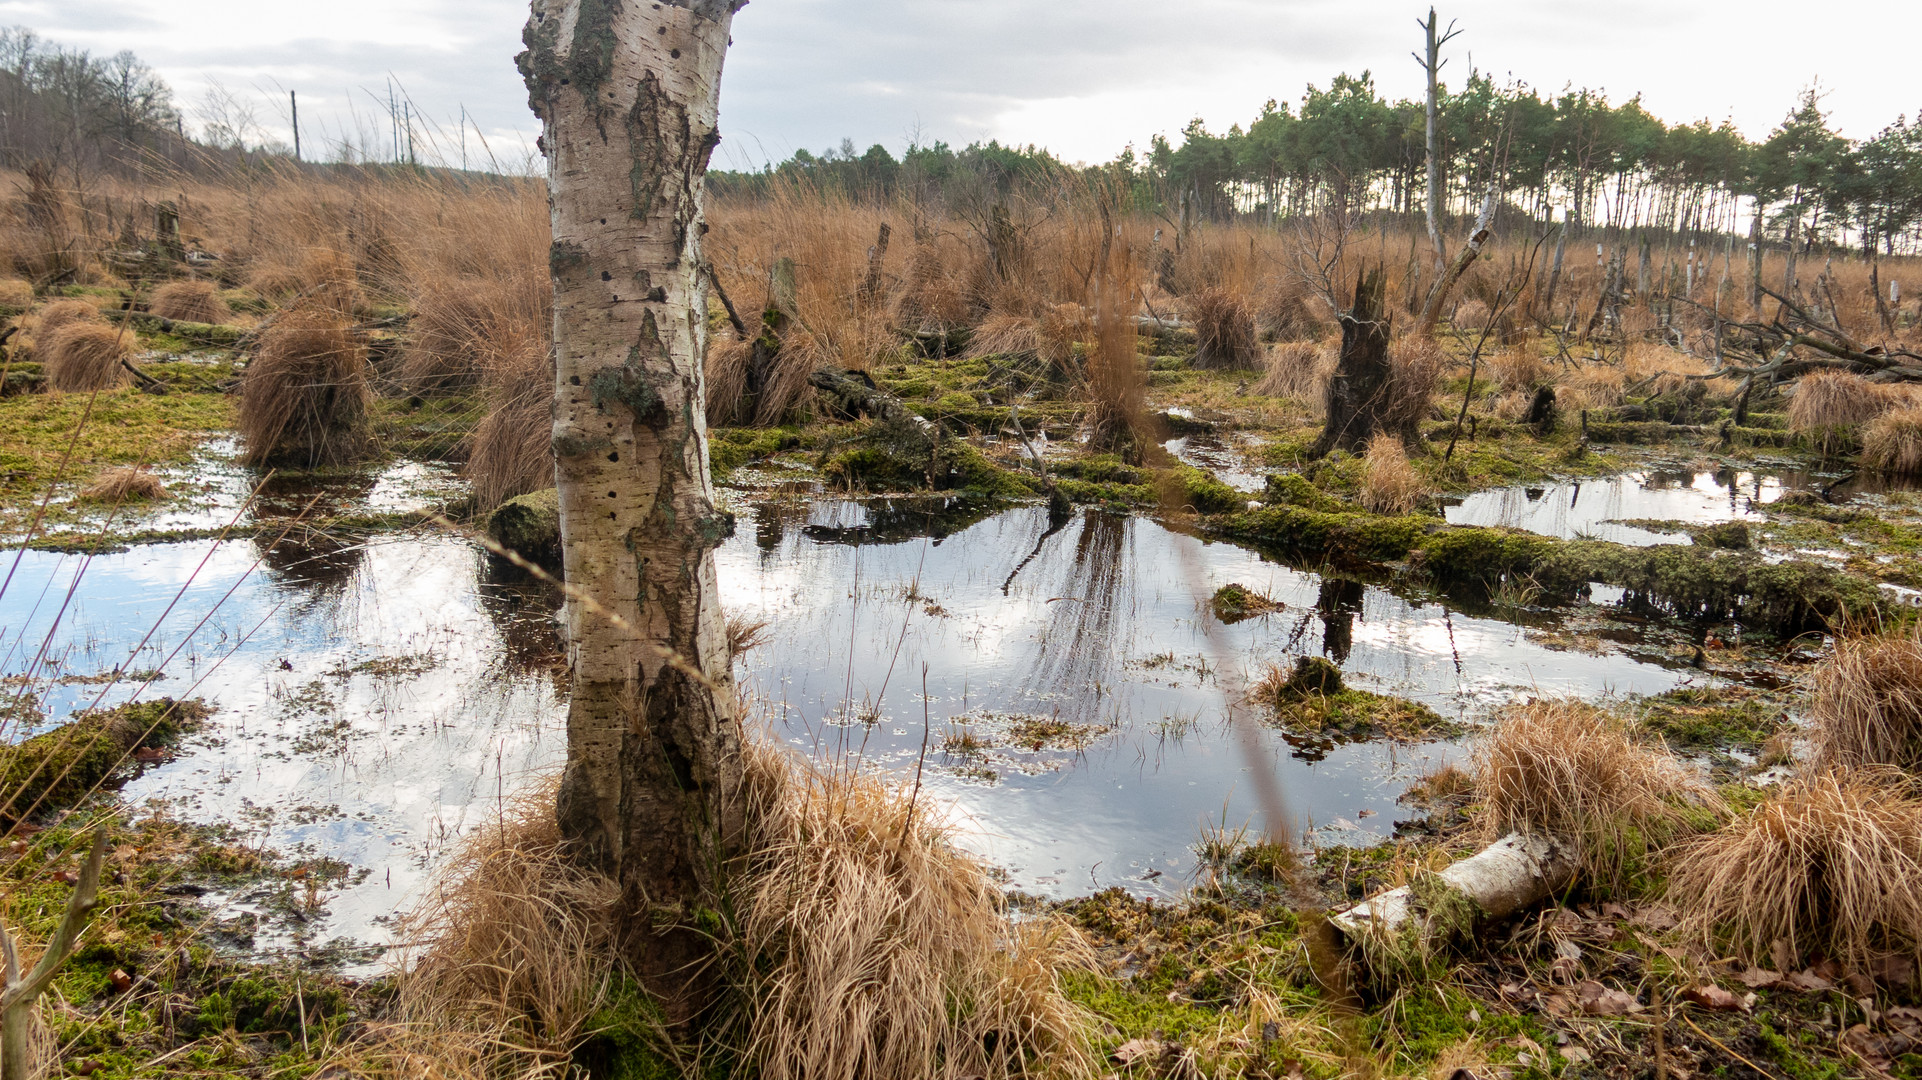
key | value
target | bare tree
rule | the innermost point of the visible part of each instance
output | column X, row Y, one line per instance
column 628, row 96
column 1432, row 64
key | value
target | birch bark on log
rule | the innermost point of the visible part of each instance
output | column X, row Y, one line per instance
column 628, row 94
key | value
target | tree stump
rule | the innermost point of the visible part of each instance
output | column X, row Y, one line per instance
column 1361, row 390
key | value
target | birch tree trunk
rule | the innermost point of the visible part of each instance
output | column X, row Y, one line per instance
column 628, row 93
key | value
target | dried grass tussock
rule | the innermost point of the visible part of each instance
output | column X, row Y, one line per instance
column 1827, row 400
column 82, row 357
column 1224, row 329
column 190, row 301
column 863, row 945
column 1831, row 864
column 1892, row 442
column 514, row 445
column 873, row 948
column 517, row 956
column 1868, row 703
column 1390, row 484
column 1299, row 370
column 60, row 313
column 16, row 294
column 1568, row 769
column 123, row 485
column 304, row 398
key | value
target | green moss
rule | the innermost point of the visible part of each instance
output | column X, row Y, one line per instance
column 1322, row 721
column 1338, row 538
column 970, row 471
column 730, row 448
column 1294, row 489
column 1233, row 603
column 1099, row 469
column 529, row 525
column 54, row 769
column 125, row 427
column 1713, row 719
column 624, row 1037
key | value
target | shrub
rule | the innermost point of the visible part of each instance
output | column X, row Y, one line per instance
column 189, row 301
column 81, row 357
column 304, row 398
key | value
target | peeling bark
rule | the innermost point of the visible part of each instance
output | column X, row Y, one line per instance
column 628, row 94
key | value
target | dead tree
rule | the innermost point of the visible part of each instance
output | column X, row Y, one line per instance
column 1361, row 396
column 1432, row 63
column 627, row 95
column 1465, row 258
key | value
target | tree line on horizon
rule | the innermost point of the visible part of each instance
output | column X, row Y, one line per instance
column 1345, row 150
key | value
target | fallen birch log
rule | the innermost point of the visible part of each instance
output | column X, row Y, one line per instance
column 1419, row 919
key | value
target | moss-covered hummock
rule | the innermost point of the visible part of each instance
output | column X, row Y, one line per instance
column 55, row 769
column 530, row 526
column 1233, row 603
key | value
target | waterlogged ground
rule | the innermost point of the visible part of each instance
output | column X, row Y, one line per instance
column 1058, row 682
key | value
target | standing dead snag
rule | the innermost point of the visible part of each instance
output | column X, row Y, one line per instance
column 627, row 94
column 1363, row 387
column 1465, row 258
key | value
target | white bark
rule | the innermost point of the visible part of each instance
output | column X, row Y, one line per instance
column 1513, row 873
column 628, row 93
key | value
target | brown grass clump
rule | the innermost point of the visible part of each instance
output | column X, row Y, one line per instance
column 61, row 313
column 1892, row 442
column 1390, row 485
column 81, row 357
column 1868, row 702
column 1416, row 367
column 1516, row 371
column 461, row 325
column 514, row 445
column 1828, row 406
column 726, row 368
column 1117, row 387
column 1833, row 399
column 16, row 294
column 123, row 485
column 1471, row 317
column 1831, row 865
column 320, row 277
column 304, row 397
column 1298, row 370
column 1284, row 311
column 1224, row 329
column 863, row 945
column 878, row 950
column 1568, row 769
column 189, row 301
column 518, row 957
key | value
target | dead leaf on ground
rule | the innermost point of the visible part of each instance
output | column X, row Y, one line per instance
column 1136, row 1050
column 1598, row 1000
column 1894, row 972
column 1808, row 980
column 1760, row 978
column 1656, row 917
column 1711, row 997
column 1905, row 1019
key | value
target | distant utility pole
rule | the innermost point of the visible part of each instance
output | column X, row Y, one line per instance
column 1432, row 64
column 294, row 102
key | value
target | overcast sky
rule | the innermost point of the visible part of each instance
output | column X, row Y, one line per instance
column 1082, row 77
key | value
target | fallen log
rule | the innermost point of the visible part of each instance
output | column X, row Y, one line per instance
column 1404, row 927
column 198, row 333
